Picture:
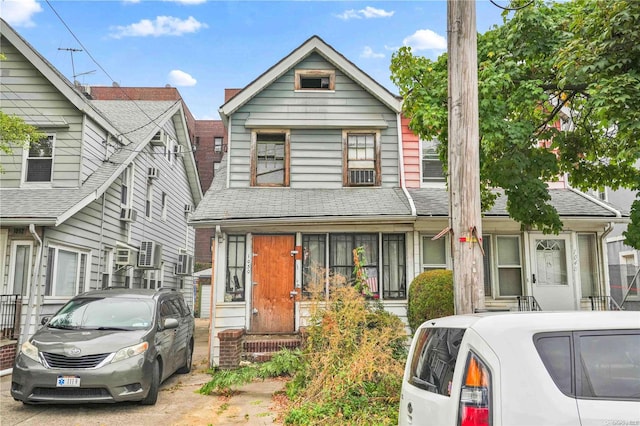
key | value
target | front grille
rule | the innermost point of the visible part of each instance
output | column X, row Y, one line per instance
column 63, row 361
column 70, row 393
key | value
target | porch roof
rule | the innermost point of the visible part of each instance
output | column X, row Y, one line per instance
column 568, row 202
column 290, row 203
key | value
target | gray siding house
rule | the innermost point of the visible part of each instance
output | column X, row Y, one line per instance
column 102, row 200
column 317, row 153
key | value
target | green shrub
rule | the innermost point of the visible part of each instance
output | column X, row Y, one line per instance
column 430, row 296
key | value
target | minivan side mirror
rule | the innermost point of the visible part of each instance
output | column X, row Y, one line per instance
column 170, row 323
column 44, row 320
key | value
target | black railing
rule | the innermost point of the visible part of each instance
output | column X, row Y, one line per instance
column 10, row 315
column 603, row 303
column 528, row 303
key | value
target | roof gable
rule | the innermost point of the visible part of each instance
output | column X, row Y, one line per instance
column 59, row 81
column 317, row 45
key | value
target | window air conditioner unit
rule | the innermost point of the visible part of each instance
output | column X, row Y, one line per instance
column 150, row 255
column 160, row 138
column 128, row 215
column 154, row 173
column 124, row 257
column 188, row 208
column 184, row 265
column 362, row 176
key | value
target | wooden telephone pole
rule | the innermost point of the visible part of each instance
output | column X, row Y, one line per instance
column 464, row 157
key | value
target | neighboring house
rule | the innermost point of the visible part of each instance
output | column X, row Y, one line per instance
column 208, row 139
column 100, row 201
column 320, row 162
column 624, row 261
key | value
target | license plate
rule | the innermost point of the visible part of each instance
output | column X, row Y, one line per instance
column 68, row 382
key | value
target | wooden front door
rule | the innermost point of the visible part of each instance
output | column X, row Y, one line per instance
column 273, row 280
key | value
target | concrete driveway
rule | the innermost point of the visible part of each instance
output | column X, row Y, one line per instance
column 178, row 402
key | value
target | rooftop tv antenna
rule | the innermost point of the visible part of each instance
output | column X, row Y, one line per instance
column 73, row 67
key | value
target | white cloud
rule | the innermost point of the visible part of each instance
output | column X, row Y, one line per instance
column 180, row 78
column 372, row 12
column 369, row 53
column 425, row 40
column 162, row 26
column 367, row 13
column 19, row 12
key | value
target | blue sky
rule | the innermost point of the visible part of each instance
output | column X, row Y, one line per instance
column 202, row 47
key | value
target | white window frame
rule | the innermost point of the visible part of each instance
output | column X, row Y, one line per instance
column 447, row 253
column 108, row 267
column 155, row 275
column 25, row 164
column 217, row 147
column 79, row 287
column 498, row 266
column 126, row 180
column 12, row 265
column 169, row 150
column 148, row 204
column 432, row 148
column 165, row 204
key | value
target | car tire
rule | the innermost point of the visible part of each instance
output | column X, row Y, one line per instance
column 186, row 368
column 152, row 396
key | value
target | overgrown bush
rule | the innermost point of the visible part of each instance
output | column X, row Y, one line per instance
column 353, row 363
column 430, row 296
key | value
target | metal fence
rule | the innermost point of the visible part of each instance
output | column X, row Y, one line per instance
column 625, row 285
column 10, row 315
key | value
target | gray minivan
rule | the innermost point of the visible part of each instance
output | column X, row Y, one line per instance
column 108, row 345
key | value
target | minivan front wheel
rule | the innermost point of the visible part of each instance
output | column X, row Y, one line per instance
column 186, row 368
column 152, row 396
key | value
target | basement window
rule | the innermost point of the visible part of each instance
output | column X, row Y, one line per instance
column 316, row 80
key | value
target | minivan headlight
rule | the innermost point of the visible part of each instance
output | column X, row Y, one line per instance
column 130, row 351
column 29, row 350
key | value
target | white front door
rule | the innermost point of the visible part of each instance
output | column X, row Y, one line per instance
column 552, row 281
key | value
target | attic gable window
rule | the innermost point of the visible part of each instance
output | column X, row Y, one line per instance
column 270, row 158
column 315, row 80
column 39, row 160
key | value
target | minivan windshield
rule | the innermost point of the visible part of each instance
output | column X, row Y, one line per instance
column 115, row 313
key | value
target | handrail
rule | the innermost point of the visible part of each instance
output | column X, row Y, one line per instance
column 10, row 315
column 604, row 303
column 528, row 303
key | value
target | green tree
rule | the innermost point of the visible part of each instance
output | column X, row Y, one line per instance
column 579, row 59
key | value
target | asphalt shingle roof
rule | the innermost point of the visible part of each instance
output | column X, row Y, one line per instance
column 569, row 203
column 48, row 204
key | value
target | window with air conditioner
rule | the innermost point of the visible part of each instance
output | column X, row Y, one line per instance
column 150, row 255
column 361, row 158
column 185, row 264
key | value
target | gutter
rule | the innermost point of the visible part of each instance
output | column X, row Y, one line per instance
column 295, row 221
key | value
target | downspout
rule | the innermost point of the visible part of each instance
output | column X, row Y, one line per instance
column 401, row 161
column 605, row 260
column 34, row 293
column 212, row 314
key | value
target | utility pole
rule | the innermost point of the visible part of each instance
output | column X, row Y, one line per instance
column 464, row 157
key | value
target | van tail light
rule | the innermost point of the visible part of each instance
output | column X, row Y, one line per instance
column 475, row 395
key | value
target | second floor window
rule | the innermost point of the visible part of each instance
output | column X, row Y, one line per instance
column 39, row 161
column 432, row 170
column 126, row 181
column 270, row 159
column 362, row 159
